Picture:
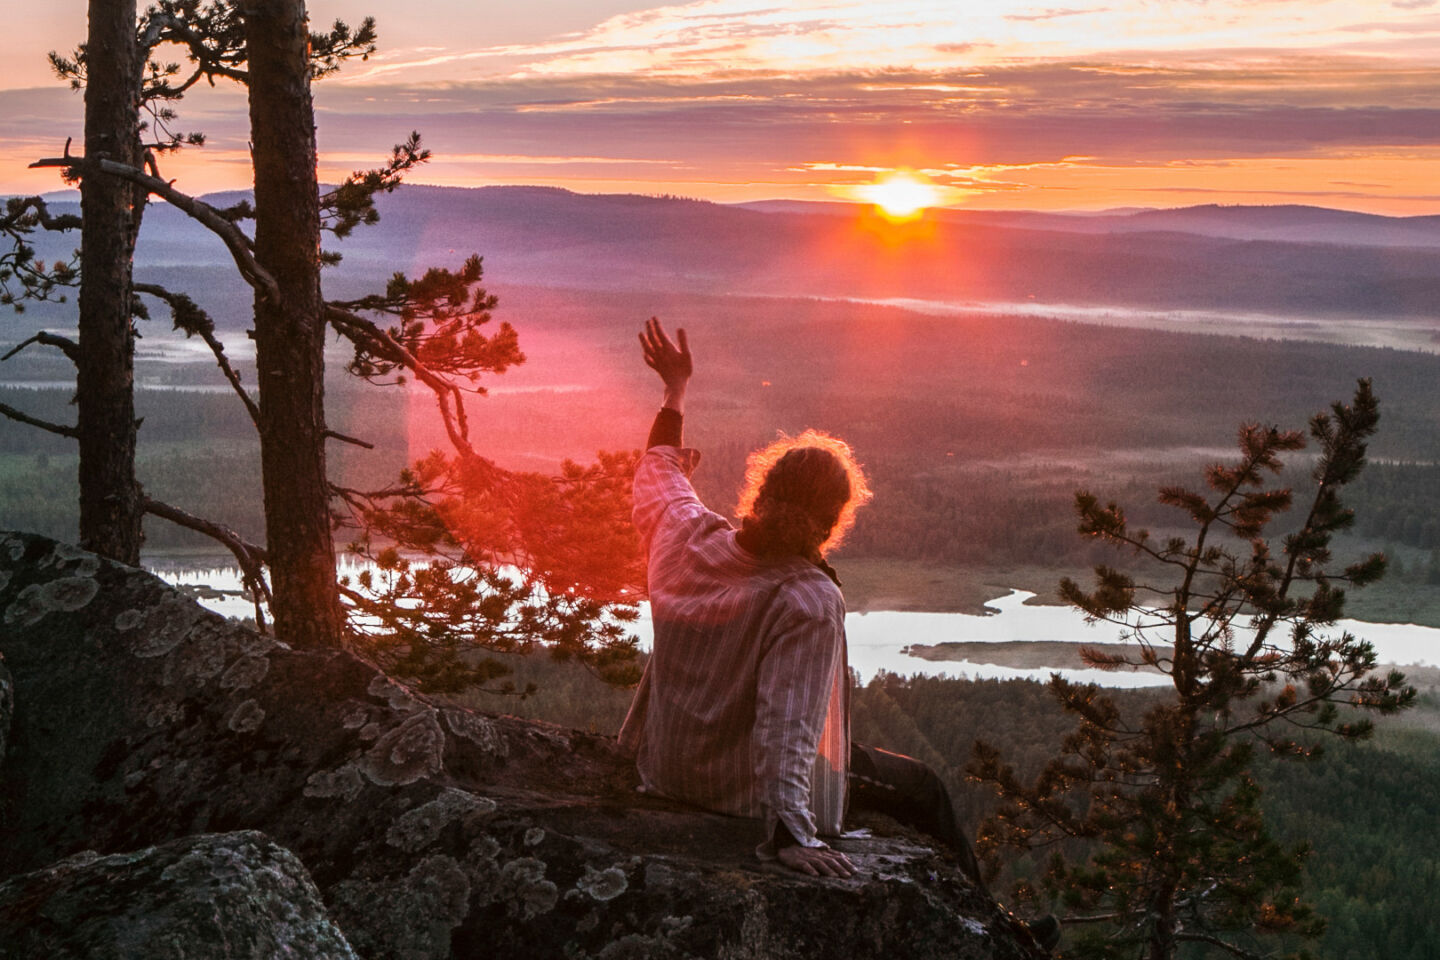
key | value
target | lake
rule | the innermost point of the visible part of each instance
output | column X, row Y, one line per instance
column 878, row 638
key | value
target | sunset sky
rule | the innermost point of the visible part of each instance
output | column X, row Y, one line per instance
column 1003, row 103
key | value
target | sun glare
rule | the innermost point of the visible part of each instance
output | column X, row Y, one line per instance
column 900, row 195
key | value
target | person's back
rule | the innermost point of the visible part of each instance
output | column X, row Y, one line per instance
column 747, row 679
column 744, row 707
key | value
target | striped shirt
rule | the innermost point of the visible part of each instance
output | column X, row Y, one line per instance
column 744, row 705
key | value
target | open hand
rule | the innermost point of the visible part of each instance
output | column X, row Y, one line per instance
column 665, row 357
column 816, row 861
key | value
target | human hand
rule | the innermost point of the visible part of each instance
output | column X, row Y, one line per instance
column 816, row 861
column 671, row 361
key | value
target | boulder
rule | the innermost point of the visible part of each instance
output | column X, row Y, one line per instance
column 209, row 897
column 431, row 831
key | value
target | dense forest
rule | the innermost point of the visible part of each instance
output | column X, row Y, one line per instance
column 975, row 430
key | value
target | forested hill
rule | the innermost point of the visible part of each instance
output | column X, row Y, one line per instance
column 1281, row 222
column 1196, row 259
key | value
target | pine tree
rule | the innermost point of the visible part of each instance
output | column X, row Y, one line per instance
column 573, row 560
column 1248, row 640
column 110, row 502
column 290, row 324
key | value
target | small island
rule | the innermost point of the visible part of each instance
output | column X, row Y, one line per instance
column 1025, row 654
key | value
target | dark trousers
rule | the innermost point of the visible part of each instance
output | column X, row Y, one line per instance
column 907, row 790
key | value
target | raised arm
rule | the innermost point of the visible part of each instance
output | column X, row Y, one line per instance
column 662, row 478
column 669, row 359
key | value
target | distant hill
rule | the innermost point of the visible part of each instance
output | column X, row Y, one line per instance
column 1292, row 223
column 1292, row 261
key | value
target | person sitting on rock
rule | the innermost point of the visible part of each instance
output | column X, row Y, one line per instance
column 744, row 706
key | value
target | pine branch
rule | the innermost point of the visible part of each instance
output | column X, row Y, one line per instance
column 250, row 557
column 448, row 396
column 189, row 317
column 329, row 50
column 22, row 215
column 352, row 203
column 350, row 494
column 217, row 47
column 234, row 239
column 1344, row 454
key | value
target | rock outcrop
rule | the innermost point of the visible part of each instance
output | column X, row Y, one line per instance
column 431, row 831
column 232, row 896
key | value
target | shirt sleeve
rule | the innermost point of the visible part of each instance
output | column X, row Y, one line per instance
column 668, row 430
column 796, row 676
column 662, row 486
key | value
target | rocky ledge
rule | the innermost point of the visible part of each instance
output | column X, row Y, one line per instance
column 141, row 719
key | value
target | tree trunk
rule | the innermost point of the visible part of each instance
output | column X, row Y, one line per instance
column 110, row 504
column 290, row 333
column 1162, row 932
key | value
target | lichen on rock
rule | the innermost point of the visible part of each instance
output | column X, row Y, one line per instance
column 603, row 885
column 64, row 595
column 477, row 729
column 200, row 658
column 422, row 826
column 247, row 717
column 14, row 547
column 162, row 712
column 355, row 716
column 413, row 750
column 664, row 943
column 244, row 673
column 85, row 563
column 410, row 917
column 207, row 897
column 344, row 782
column 160, row 628
column 395, row 694
column 524, row 890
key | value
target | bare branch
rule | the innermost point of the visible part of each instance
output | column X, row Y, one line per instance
column 350, row 494
column 1097, row 918
column 64, row 431
column 1217, row 942
column 65, row 345
column 334, row 435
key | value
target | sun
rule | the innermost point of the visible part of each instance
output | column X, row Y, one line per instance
column 900, row 194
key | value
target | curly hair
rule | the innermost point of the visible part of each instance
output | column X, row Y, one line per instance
column 801, row 494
